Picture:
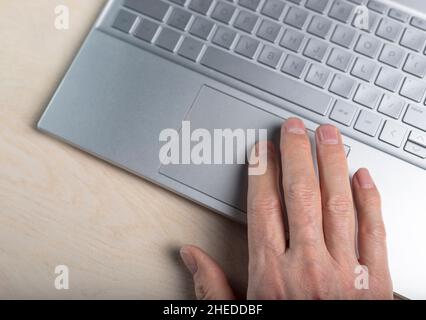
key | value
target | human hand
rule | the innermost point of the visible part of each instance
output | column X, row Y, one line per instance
column 319, row 260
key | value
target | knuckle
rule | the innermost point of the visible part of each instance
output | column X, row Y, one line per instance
column 303, row 146
column 372, row 200
column 304, row 192
column 336, row 157
column 264, row 203
column 375, row 230
column 339, row 205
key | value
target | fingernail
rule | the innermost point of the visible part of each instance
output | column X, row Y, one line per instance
column 295, row 126
column 188, row 260
column 328, row 134
column 364, row 179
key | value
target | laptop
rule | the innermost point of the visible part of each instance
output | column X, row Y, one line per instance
column 154, row 65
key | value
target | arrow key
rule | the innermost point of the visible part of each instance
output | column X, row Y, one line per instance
column 418, row 138
column 415, row 149
column 393, row 134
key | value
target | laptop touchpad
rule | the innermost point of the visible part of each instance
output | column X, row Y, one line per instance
column 213, row 112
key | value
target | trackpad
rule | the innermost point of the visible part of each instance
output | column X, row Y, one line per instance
column 215, row 113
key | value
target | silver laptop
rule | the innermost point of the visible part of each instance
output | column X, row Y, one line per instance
column 148, row 65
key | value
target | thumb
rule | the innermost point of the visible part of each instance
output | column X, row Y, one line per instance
column 209, row 280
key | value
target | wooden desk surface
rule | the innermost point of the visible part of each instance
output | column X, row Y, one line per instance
column 117, row 233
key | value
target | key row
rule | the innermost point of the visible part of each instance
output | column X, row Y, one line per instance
column 295, row 17
column 344, row 86
column 364, row 69
column 292, row 40
column 391, row 132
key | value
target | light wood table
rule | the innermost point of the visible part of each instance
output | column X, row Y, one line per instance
column 117, row 233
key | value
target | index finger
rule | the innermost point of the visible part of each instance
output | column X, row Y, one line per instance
column 264, row 212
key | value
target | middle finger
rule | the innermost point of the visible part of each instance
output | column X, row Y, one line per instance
column 338, row 209
column 300, row 186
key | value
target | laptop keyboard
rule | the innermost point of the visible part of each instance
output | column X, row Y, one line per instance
column 308, row 52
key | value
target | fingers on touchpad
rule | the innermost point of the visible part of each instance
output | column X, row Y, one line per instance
column 209, row 154
column 232, row 121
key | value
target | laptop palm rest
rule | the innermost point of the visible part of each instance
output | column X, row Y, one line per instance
column 212, row 110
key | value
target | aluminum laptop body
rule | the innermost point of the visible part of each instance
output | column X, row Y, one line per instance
column 148, row 65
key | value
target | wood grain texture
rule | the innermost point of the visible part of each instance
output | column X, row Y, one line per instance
column 117, row 233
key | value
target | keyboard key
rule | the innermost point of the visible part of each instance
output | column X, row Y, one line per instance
column 343, row 113
column 273, row 8
column 342, row 11
column 389, row 30
column 416, row 65
column 415, row 149
column 393, row 134
column 190, row 49
column 389, row 79
column 296, row 17
column 416, row 117
column 317, row 5
column 391, row 106
column 399, row 15
column 413, row 89
column 168, row 39
column 201, row 28
column 343, row 36
column 340, row 59
column 364, row 69
column 373, row 21
column 294, row 66
column 152, row 8
column 367, row 95
column 342, row 86
column 200, row 6
column 223, row 12
column 267, row 80
column 377, row 6
column 270, row 56
column 246, row 21
column 146, row 30
column 249, row 4
column 268, row 30
column 292, row 40
column 320, row 26
column 224, row 37
column 124, row 21
column 368, row 46
column 413, row 39
column 318, row 76
column 247, row 46
column 418, row 23
column 392, row 55
column 316, row 50
column 368, row 123
column 179, row 18
column 418, row 138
